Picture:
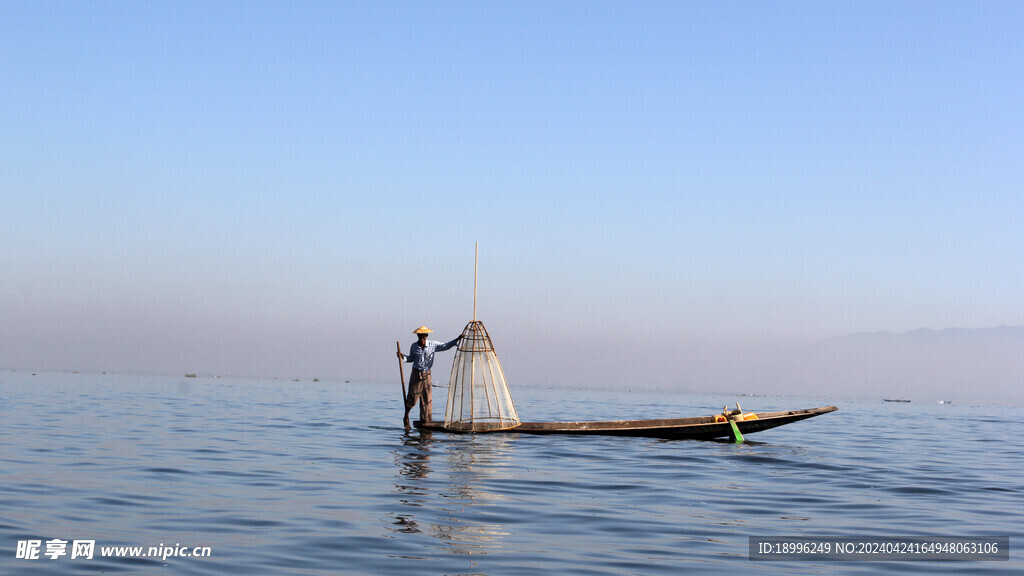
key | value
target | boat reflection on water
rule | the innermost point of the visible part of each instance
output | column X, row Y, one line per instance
column 444, row 507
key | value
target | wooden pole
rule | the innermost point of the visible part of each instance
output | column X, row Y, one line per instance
column 401, row 371
column 476, row 263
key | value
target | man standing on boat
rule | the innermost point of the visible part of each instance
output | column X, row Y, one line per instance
column 421, row 354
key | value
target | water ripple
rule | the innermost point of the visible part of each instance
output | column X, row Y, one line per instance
column 325, row 482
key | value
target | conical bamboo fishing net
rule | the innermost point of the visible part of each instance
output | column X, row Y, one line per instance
column 478, row 397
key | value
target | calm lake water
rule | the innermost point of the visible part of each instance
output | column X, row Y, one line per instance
column 319, row 478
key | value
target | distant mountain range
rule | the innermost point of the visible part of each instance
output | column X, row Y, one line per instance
column 965, row 365
column 930, row 335
column 954, row 363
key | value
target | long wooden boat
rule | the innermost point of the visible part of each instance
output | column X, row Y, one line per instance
column 697, row 428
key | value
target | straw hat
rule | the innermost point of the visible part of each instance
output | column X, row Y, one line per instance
column 422, row 330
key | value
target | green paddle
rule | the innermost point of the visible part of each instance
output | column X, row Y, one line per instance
column 731, row 417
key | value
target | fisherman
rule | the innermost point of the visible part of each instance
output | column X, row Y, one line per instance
column 421, row 354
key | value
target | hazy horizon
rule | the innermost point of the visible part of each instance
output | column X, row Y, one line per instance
column 953, row 364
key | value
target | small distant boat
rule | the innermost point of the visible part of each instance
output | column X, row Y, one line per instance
column 945, row 401
column 698, row 428
column 896, row 400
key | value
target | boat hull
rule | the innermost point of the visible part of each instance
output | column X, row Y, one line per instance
column 697, row 428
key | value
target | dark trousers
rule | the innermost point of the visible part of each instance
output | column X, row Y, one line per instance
column 419, row 390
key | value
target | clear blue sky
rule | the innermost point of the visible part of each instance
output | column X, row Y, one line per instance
column 286, row 188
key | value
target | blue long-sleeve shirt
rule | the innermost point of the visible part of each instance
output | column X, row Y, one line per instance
column 423, row 358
